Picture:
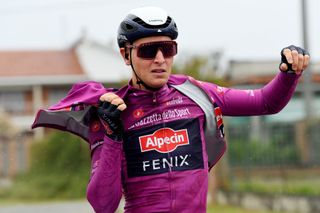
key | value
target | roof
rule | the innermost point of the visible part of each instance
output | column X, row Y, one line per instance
column 84, row 60
column 102, row 62
column 39, row 63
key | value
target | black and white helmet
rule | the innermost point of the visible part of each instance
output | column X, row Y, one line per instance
column 144, row 22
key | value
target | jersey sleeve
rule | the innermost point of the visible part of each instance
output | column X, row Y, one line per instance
column 269, row 99
column 104, row 189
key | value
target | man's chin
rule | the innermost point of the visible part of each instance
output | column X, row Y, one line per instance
column 159, row 83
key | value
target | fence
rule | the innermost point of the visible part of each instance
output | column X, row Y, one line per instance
column 14, row 154
column 281, row 143
column 274, row 166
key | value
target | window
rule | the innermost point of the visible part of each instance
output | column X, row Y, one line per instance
column 12, row 101
column 56, row 95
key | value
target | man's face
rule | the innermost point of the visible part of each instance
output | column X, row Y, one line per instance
column 154, row 72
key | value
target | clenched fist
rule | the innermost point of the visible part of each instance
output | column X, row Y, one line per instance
column 109, row 110
column 294, row 59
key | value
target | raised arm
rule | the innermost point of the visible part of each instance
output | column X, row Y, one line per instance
column 268, row 100
column 272, row 97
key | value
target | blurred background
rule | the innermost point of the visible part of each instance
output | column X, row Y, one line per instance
column 272, row 163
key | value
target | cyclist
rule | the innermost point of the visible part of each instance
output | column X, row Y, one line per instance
column 149, row 140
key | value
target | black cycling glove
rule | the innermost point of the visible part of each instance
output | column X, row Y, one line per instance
column 110, row 117
column 284, row 59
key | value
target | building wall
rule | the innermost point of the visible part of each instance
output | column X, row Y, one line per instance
column 18, row 103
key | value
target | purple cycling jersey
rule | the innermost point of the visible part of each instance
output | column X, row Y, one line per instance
column 162, row 164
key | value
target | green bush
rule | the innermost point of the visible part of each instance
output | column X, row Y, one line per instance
column 60, row 152
column 60, row 167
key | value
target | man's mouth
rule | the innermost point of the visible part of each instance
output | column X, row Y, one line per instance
column 158, row 70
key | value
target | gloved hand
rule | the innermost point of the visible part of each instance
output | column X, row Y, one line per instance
column 109, row 115
column 294, row 59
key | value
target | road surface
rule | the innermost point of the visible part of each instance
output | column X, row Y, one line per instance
column 50, row 207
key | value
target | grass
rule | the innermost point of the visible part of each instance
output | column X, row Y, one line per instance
column 296, row 187
column 232, row 209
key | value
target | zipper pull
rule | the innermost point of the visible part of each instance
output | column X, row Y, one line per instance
column 154, row 98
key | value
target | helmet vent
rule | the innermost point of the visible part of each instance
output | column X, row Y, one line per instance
column 127, row 27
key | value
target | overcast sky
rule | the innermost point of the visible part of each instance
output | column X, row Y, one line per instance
column 243, row 29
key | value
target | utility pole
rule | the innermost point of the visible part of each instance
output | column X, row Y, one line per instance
column 307, row 77
column 307, row 89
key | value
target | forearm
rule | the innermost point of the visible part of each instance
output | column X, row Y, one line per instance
column 268, row 100
column 104, row 188
column 279, row 91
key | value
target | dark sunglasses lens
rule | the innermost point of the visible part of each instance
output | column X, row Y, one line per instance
column 169, row 49
column 149, row 50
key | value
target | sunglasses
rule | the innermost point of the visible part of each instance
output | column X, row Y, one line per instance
column 149, row 50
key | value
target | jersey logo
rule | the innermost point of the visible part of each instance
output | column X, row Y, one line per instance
column 218, row 114
column 138, row 113
column 219, row 119
column 164, row 147
column 164, row 140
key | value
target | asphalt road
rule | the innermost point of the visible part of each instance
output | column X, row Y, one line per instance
column 50, row 207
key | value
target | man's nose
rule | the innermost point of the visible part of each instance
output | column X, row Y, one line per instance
column 159, row 57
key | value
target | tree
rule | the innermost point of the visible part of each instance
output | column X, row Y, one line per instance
column 200, row 67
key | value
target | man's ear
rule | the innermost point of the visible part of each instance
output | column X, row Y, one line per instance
column 125, row 55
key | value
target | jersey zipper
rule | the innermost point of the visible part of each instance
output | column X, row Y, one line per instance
column 154, row 98
column 170, row 174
